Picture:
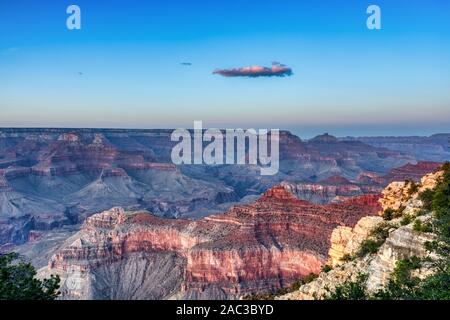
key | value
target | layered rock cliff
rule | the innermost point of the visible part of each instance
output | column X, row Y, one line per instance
column 374, row 246
column 433, row 148
column 337, row 188
column 259, row 247
column 55, row 177
column 330, row 191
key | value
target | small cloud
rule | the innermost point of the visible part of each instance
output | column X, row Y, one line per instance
column 276, row 70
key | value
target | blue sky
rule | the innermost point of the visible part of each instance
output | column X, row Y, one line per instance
column 347, row 80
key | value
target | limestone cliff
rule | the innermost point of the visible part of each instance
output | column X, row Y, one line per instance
column 391, row 242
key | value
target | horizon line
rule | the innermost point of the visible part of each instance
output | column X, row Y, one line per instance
column 168, row 129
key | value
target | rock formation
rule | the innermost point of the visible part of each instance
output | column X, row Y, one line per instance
column 347, row 240
column 401, row 242
column 327, row 191
column 337, row 188
column 402, row 195
column 254, row 248
column 432, row 148
column 412, row 172
column 55, row 177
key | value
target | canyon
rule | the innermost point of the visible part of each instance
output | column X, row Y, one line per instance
column 52, row 178
column 107, row 211
column 263, row 246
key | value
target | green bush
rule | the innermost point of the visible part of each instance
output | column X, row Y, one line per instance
column 271, row 295
column 413, row 188
column 422, row 212
column 346, row 258
column 296, row 285
column 388, row 214
column 309, row 278
column 426, row 197
column 398, row 213
column 350, row 290
column 381, row 231
column 376, row 239
column 435, row 287
column 419, row 226
column 402, row 284
column 441, row 199
column 326, row 268
column 18, row 282
column 407, row 219
column 369, row 246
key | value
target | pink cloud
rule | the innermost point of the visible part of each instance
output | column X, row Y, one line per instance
column 276, row 70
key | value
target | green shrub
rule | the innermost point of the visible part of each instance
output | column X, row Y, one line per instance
column 381, row 231
column 296, row 285
column 441, row 199
column 350, row 290
column 346, row 258
column 388, row 214
column 326, row 268
column 407, row 219
column 309, row 278
column 435, row 287
column 426, row 197
column 413, row 188
column 398, row 213
column 369, row 246
column 401, row 284
column 419, row 226
column 279, row 292
column 376, row 239
column 267, row 296
column 421, row 212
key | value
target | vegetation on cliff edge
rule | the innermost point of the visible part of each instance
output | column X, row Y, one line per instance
column 18, row 281
column 403, row 284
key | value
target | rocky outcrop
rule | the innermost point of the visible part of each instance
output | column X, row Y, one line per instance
column 404, row 195
column 347, row 240
column 429, row 181
column 259, row 247
column 401, row 242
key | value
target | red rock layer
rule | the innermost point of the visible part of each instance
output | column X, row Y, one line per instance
column 324, row 192
column 258, row 247
column 70, row 154
column 412, row 171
